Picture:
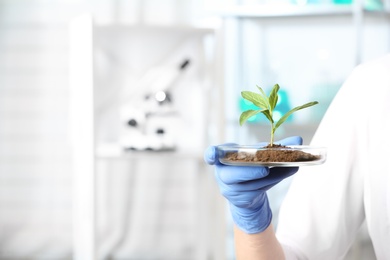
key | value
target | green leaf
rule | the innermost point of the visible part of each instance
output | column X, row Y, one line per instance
column 273, row 97
column 266, row 105
column 256, row 99
column 284, row 118
column 265, row 97
column 248, row 114
column 268, row 115
column 262, row 91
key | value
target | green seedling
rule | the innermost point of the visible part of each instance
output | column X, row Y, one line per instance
column 266, row 105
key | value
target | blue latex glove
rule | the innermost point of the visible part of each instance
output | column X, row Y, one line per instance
column 245, row 188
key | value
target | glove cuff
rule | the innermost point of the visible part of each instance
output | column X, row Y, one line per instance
column 253, row 221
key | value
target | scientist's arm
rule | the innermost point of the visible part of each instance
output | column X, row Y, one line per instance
column 262, row 245
column 245, row 190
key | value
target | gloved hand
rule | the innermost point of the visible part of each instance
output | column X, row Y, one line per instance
column 245, row 188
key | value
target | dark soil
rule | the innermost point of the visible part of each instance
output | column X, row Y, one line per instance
column 274, row 154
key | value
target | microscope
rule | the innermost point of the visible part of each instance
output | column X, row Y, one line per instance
column 149, row 120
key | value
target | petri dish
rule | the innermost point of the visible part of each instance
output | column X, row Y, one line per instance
column 286, row 156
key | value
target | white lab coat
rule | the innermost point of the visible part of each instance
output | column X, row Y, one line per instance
column 327, row 204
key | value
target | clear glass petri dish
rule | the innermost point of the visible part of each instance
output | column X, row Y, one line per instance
column 289, row 156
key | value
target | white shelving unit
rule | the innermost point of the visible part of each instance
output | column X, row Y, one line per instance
column 289, row 10
column 92, row 86
column 269, row 11
column 240, row 19
column 246, row 25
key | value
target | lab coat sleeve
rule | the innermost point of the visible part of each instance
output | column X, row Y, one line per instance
column 323, row 209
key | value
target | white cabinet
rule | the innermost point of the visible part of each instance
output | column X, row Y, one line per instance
column 143, row 204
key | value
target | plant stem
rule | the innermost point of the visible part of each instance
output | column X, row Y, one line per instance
column 272, row 128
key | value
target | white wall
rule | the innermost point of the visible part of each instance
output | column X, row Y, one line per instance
column 34, row 159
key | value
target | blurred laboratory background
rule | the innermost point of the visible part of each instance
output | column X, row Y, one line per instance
column 107, row 106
